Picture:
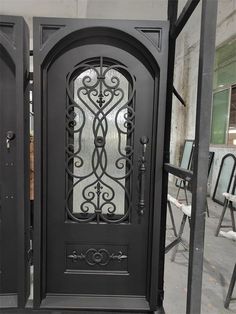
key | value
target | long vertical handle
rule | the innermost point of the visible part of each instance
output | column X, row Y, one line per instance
column 142, row 174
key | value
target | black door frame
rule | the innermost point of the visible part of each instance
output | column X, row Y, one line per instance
column 14, row 41
column 54, row 35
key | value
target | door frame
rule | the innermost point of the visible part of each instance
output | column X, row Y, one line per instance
column 52, row 35
column 15, row 42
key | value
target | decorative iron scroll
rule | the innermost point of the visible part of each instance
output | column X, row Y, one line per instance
column 101, row 101
column 97, row 257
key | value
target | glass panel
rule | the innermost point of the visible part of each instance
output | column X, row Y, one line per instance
column 232, row 119
column 185, row 162
column 224, row 178
column 112, row 142
column 234, row 192
column 100, row 166
column 219, row 117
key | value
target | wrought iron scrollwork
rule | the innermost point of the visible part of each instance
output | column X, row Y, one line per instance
column 99, row 95
column 97, row 257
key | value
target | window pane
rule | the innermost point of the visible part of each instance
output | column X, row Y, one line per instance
column 232, row 119
column 225, row 65
column 219, row 117
column 225, row 53
column 113, row 139
column 225, row 75
column 100, row 120
column 186, row 154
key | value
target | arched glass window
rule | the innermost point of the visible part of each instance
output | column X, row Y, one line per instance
column 100, row 124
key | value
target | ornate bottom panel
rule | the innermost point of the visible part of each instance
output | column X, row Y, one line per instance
column 90, row 258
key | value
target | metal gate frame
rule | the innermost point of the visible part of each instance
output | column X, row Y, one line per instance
column 198, row 176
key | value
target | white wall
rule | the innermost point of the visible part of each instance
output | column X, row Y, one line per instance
column 127, row 9
column 107, row 9
column 50, row 8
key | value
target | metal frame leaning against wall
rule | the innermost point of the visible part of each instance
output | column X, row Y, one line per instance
column 198, row 176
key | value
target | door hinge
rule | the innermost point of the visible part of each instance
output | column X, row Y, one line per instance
column 161, row 295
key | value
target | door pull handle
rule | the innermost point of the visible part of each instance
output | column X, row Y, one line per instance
column 142, row 174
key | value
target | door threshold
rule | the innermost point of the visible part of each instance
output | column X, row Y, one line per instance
column 95, row 302
column 42, row 311
column 8, row 301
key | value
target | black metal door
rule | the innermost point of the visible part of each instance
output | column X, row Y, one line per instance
column 100, row 90
column 14, row 223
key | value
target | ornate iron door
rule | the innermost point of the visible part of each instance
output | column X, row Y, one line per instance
column 99, row 96
column 14, row 137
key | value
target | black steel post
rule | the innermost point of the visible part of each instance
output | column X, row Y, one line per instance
column 184, row 16
column 201, row 153
column 172, row 16
column 231, row 288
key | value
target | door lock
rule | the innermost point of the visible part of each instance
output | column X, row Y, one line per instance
column 9, row 137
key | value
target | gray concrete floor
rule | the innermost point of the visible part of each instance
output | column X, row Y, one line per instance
column 219, row 260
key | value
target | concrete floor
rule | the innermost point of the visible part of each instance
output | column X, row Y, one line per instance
column 219, row 259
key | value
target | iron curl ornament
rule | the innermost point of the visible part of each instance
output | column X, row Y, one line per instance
column 101, row 101
column 94, row 257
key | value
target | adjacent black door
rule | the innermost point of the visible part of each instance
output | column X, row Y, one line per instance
column 100, row 98
column 14, row 223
